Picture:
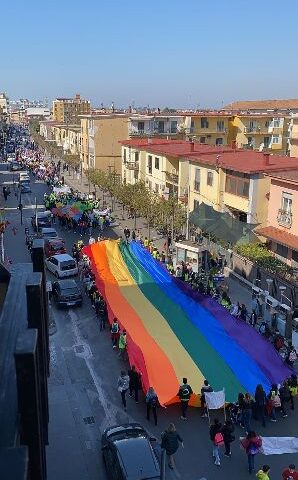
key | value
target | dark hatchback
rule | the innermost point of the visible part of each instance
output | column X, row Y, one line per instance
column 66, row 293
column 43, row 220
column 131, row 454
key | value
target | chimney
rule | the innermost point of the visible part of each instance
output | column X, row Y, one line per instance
column 192, row 146
column 149, row 140
column 267, row 158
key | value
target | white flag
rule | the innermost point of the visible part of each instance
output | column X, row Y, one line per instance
column 279, row 445
column 215, row 400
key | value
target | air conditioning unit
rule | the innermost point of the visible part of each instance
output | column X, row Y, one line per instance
column 284, row 308
column 271, row 301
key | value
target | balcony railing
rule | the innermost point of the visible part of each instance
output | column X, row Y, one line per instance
column 132, row 165
column 152, row 131
column 172, row 177
column 196, row 186
column 284, row 218
column 257, row 130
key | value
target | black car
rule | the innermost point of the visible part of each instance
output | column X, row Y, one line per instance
column 66, row 293
column 131, row 454
column 15, row 166
column 43, row 220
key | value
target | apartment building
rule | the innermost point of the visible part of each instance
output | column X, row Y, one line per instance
column 4, row 103
column 293, row 136
column 156, row 125
column 281, row 230
column 264, row 106
column 100, row 136
column 67, row 110
column 210, row 128
column 261, row 131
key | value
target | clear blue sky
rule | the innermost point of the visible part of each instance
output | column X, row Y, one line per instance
column 158, row 52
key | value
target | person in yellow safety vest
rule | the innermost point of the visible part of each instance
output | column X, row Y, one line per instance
column 122, row 344
column 150, row 248
column 146, row 242
column 154, row 253
column 210, row 283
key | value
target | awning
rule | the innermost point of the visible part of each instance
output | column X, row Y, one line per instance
column 279, row 236
column 222, row 225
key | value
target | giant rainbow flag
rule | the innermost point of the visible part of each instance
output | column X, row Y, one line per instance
column 174, row 332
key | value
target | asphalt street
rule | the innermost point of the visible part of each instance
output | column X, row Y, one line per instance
column 83, row 395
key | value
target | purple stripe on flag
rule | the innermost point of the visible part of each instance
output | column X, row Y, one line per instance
column 245, row 335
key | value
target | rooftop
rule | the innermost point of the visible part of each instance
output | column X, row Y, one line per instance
column 280, row 236
column 291, row 176
column 287, row 104
column 239, row 160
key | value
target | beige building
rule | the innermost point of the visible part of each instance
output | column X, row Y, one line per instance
column 264, row 106
column 264, row 132
column 67, row 110
column 100, row 137
column 293, row 136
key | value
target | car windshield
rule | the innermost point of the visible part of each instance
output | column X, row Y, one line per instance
column 56, row 246
column 68, row 265
column 49, row 234
column 69, row 291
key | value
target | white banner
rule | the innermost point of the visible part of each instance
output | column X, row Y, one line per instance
column 279, row 445
column 215, row 400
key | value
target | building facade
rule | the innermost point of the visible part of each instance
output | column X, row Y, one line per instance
column 281, row 230
column 293, row 136
column 210, row 128
column 67, row 110
column 264, row 106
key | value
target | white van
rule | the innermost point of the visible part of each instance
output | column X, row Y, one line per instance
column 62, row 265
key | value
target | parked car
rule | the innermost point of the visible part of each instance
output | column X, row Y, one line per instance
column 43, row 219
column 24, row 176
column 131, row 454
column 66, row 293
column 54, row 246
column 48, row 232
column 62, row 265
column 25, row 187
column 15, row 166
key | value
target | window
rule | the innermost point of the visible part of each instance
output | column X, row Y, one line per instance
column 141, row 126
column 161, row 127
column 174, row 126
column 124, row 155
column 220, row 126
column 276, row 123
column 267, row 123
column 136, row 156
column 150, row 164
column 197, row 182
column 192, row 126
column 210, row 178
column 286, row 202
column 282, row 250
column 156, row 188
column 275, row 139
column 202, row 139
column 156, row 163
column 295, row 256
column 237, row 184
column 218, row 142
column 204, row 122
column 266, row 142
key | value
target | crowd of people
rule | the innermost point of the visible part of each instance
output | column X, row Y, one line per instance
column 261, row 406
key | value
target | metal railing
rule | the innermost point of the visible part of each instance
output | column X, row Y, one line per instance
column 284, row 218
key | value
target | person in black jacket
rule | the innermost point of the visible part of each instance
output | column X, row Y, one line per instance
column 184, row 394
column 260, row 403
column 170, row 439
column 227, row 431
column 134, row 383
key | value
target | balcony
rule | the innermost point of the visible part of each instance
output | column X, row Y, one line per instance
column 133, row 132
column 196, row 186
column 172, row 177
column 284, row 218
column 261, row 130
column 132, row 165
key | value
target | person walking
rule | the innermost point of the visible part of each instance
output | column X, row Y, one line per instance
column 290, row 473
column 123, row 385
column 263, row 473
column 152, row 403
column 170, row 439
column 260, row 403
column 217, row 439
column 251, row 444
column 205, row 389
column 115, row 329
column 122, row 344
column 227, row 431
column 184, row 394
column 134, row 383
column 247, row 406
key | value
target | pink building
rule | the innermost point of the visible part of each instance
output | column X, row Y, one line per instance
column 282, row 229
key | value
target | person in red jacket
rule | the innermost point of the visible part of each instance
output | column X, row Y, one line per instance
column 290, row 473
